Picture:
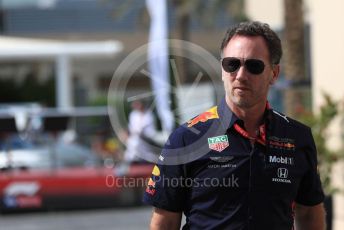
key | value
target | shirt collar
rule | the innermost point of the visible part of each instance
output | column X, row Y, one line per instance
column 226, row 116
column 227, row 119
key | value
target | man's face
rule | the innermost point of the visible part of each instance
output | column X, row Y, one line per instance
column 244, row 89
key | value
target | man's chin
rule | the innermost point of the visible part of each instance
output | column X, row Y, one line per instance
column 241, row 103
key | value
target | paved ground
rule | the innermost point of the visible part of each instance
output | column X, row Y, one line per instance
column 106, row 219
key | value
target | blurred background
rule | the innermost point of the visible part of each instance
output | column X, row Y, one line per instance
column 58, row 59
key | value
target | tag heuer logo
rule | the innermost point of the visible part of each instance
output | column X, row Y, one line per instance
column 218, row 143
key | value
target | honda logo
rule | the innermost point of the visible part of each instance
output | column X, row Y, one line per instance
column 282, row 173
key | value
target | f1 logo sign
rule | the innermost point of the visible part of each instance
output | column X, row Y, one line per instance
column 282, row 173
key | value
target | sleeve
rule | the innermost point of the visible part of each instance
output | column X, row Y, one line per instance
column 310, row 191
column 165, row 188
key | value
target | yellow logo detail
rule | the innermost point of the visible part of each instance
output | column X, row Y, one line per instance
column 207, row 115
column 156, row 171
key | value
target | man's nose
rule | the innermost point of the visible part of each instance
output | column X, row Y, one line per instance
column 242, row 74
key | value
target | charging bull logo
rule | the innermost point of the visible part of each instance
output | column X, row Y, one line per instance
column 209, row 114
column 151, row 183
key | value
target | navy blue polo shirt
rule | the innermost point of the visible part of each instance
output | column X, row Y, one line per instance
column 211, row 170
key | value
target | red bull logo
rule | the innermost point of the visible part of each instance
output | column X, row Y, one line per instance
column 150, row 189
column 279, row 144
column 151, row 182
column 289, row 145
column 209, row 114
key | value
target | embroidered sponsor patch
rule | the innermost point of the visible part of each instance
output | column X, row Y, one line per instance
column 222, row 159
column 281, row 143
column 281, row 160
column 150, row 191
column 218, row 143
column 282, row 176
column 207, row 115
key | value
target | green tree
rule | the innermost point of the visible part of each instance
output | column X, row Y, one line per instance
column 319, row 123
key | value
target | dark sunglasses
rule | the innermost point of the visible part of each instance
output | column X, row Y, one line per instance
column 254, row 66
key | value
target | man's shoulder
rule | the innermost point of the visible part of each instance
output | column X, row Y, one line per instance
column 286, row 122
column 199, row 123
column 202, row 118
column 196, row 126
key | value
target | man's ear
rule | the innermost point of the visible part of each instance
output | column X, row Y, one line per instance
column 275, row 74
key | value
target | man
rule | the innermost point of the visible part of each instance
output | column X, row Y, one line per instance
column 141, row 123
column 141, row 126
column 259, row 169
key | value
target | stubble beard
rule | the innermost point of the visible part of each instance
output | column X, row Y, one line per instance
column 239, row 101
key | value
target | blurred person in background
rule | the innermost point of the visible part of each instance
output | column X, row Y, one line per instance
column 141, row 126
column 258, row 167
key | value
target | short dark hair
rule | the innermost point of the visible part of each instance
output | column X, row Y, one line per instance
column 256, row 29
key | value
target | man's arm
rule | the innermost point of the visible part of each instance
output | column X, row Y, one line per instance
column 165, row 220
column 310, row 217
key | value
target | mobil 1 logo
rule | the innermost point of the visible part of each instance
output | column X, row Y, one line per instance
column 281, row 160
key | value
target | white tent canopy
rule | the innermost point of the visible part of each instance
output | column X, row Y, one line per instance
column 17, row 49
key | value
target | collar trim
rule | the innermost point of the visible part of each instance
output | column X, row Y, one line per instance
column 228, row 119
